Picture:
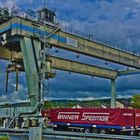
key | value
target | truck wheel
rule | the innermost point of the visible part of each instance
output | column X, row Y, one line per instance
column 103, row 131
column 86, row 130
column 131, row 133
column 136, row 133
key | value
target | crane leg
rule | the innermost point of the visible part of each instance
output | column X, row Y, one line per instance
column 113, row 93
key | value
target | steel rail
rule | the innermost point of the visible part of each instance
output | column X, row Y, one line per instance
column 70, row 135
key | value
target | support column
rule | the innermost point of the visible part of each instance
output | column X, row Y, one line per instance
column 32, row 65
column 113, row 93
column 35, row 133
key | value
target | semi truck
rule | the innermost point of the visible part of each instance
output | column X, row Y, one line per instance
column 95, row 120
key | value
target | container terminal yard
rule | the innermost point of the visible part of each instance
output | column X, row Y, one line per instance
column 26, row 39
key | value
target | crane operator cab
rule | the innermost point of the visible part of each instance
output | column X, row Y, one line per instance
column 46, row 15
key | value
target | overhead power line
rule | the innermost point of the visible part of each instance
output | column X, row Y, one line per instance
column 125, row 37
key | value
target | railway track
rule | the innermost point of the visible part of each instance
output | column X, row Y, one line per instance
column 23, row 134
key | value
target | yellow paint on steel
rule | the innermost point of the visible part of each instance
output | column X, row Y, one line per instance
column 81, row 68
column 4, row 138
column 84, row 46
column 9, row 55
column 5, row 53
column 67, row 65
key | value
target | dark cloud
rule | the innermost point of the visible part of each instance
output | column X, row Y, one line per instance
column 74, row 82
column 129, row 83
column 106, row 19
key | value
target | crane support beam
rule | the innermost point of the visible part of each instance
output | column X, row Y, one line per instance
column 69, row 41
column 81, row 68
column 12, row 55
column 128, row 72
column 66, row 65
column 113, row 93
column 5, row 53
column 31, row 64
column 9, row 55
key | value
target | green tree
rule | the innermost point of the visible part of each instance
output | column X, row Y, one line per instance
column 136, row 101
column 47, row 105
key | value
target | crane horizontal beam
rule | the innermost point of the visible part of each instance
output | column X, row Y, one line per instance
column 128, row 72
column 9, row 55
column 66, row 65
column 81, row 68
column 69, row 41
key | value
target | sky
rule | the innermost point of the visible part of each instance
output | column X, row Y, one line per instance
column 110, row 20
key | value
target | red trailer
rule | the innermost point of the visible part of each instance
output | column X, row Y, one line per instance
column 95, row 120
column 137, row 119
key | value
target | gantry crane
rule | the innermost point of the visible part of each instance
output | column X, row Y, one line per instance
column 23, row 42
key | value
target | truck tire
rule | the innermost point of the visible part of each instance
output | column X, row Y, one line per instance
column 103, row 131
column 130, row 133
column 86, row 130
column 136, row 133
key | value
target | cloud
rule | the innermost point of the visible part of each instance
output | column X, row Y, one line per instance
column 3, row 98
column 106, row 19
column 8, row 3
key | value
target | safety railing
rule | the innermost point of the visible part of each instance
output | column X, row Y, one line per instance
column 95, row 39
column 50, row 134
